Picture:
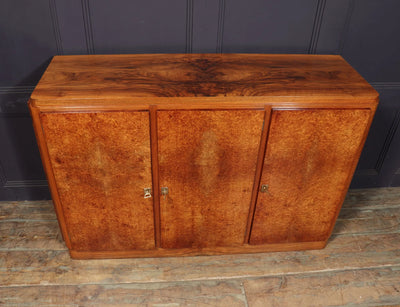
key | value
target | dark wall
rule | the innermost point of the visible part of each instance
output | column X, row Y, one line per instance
column 364, row 32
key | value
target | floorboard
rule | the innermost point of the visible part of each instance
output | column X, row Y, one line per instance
column 206, row 293
column 365, row 287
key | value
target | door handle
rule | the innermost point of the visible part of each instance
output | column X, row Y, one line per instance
column 147, row 193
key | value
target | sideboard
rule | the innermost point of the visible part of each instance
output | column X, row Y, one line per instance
column 196, row 154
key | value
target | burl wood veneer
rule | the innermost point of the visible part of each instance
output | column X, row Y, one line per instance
column 242, row 152
column 316, row 148
column 208, row 160
column 101, row 163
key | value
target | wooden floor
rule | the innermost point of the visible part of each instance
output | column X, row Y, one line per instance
column 359, row 267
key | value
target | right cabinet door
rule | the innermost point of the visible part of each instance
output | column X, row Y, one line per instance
column 309, row 161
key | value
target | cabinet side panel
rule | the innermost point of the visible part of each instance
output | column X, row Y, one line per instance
column 309, row 158
column 101, row 164
column 207, row 159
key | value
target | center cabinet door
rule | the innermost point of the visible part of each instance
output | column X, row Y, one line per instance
column 207, row 160
column 101, row 163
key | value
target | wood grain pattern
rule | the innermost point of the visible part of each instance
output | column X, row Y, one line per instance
column 310, row 154
column 101, row 163
column 373, row 287
column 43, row 235
column 201, row 294
column 207, row 160
column 29, row 210
column 372, row 198
column 368, row 221
column 194, row 75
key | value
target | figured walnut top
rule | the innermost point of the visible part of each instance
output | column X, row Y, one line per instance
column 200, row 75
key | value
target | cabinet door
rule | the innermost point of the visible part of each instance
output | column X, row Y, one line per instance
column 308, row 165
column 207, row 159
column 101, row 164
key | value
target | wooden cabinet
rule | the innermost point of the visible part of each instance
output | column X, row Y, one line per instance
column 159, row 155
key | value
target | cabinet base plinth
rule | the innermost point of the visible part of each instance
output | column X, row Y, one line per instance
column 160, row 252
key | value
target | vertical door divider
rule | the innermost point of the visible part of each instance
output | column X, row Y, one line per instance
column 155, row 174
column 257, row 177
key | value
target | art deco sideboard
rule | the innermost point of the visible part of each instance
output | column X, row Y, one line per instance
column 192, row 154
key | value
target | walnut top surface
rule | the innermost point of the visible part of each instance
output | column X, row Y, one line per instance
column 200, row 75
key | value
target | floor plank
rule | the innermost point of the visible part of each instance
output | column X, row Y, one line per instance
column 210, row 293
column 376, row 197
column 27, row 235
column 380, row 220
column 372, row 287
column 27, row 210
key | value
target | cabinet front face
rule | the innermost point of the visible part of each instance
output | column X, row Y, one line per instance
column 101, row 164
column 309, row 157
column 207, row 159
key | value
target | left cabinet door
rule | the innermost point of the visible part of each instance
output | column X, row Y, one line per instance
column 101, row 164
